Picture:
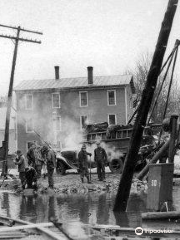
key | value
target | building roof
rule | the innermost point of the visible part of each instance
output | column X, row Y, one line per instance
column 80, row 82
column 3, row 118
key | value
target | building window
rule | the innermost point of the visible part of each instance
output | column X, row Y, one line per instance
column 111, row 97
column 29, row 101
column 83, row 99
column 56, row 100
column 58, row 123
column 29, row 125
column 83, row 122
column 112, row 119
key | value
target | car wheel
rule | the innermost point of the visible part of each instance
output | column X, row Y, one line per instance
column 61, row 168
column 116, row 165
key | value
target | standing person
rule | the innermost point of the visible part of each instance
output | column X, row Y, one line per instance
column 100, row 157
column 44, row 166
column 83, row 163
column 51, row 165
column 38, row 160
column 20, row 161
column 31, row 155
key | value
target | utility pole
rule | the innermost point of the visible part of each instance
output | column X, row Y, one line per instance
column 17, row 38
column 147, row 95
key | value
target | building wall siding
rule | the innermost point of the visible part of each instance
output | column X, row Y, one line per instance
column 12, row 140
column 70, row 112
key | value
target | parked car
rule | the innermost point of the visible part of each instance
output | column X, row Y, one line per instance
column 68, row 159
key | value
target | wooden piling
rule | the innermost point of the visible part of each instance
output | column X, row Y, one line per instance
column 145, row 104
column 173, row 123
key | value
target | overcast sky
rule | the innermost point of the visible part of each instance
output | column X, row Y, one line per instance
column 109, row 35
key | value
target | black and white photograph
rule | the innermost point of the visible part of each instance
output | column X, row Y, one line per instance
column 89, row 119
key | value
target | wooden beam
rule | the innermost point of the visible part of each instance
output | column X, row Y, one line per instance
column 161, row 215
column 173, row 137
column 29, row 226
column 50, row 234
column 145, row 104
column 41, row 230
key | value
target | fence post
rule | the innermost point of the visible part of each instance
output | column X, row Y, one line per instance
column 173, row 136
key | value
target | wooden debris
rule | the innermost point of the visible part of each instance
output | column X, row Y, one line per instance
column 24, row 225
column 4, row 229
column 8, row 223
column 161, row 215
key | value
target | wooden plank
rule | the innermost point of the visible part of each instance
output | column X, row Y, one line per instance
column 20, row 236
column 113, row 228
column 17, row 221
column 8, row 223
column 160, row 215
column 12, row 235
column 28, row 226
column 40, row 230
column 51, row 234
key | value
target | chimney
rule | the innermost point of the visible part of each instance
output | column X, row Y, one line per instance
column 90, row 75
column 56, row 72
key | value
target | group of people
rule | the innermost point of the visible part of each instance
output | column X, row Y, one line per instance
column 100, row 158
column 38, row 157
column 30, row 167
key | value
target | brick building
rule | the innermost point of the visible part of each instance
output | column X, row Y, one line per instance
column 58, row 109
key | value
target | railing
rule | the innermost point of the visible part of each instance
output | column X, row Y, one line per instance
column 123, row 133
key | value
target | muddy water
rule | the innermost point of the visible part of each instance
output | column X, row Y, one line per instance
column 91, row 208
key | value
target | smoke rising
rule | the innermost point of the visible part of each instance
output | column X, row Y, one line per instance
column 73, row 135
column 70, row 135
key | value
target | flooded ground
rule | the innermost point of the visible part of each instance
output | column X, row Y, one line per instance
column 91, row 208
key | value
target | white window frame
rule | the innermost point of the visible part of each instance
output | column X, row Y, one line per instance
column 114, row 97
column 26, row 101
column 81, row 120
column 80, row 98
column 59, row 100
column 32, row 126
column 115, row 118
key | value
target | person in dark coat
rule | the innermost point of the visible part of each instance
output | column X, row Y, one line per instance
column 51, row 165
column 20, row 161
column 39, row 161
column 100, row 158
column 31, row 155
column 83, row 163
column 31, row 178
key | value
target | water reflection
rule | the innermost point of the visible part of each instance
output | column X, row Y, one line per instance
column 103, row 209
column 90, row 208
column 5, row 203
column 84, row 210
column 28, row 206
